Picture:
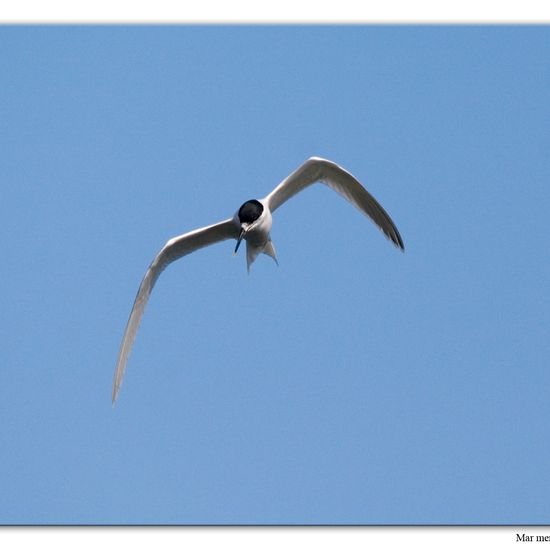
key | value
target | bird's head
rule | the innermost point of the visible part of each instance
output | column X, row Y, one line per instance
column 245, row 217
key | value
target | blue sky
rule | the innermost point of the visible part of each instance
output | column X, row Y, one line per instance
column 351, row 384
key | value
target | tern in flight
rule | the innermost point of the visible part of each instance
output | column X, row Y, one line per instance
column 252, row 222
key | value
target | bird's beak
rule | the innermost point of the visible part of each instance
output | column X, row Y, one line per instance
column 241, row 235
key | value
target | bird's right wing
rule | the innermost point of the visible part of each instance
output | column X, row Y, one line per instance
column 340, row 180
column 174, row 249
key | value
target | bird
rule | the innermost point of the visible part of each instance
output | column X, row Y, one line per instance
column 252, row 223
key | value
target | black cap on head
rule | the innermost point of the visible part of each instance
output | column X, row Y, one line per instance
column 250, row 211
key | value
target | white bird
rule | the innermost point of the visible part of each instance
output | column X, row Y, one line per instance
column 252, row 222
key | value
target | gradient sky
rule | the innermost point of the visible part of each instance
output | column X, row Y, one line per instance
column 351, row 384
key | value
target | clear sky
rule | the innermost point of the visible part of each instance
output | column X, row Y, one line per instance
column 351, row 384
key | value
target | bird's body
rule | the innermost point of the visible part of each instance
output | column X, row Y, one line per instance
column 252, row 222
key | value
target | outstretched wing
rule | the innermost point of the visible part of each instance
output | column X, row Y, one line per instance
column 174, row 249
column 318, row 169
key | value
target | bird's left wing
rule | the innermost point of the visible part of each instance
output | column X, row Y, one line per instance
column 174, row 249
column 340, row 180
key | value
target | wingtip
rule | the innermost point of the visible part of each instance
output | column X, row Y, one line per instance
column 114, row 395
column 396, row 239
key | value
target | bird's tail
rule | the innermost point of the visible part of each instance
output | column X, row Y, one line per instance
column 269, row 249
column 252, row 253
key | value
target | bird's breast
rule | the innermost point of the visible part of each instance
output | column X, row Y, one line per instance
column 258, row 234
